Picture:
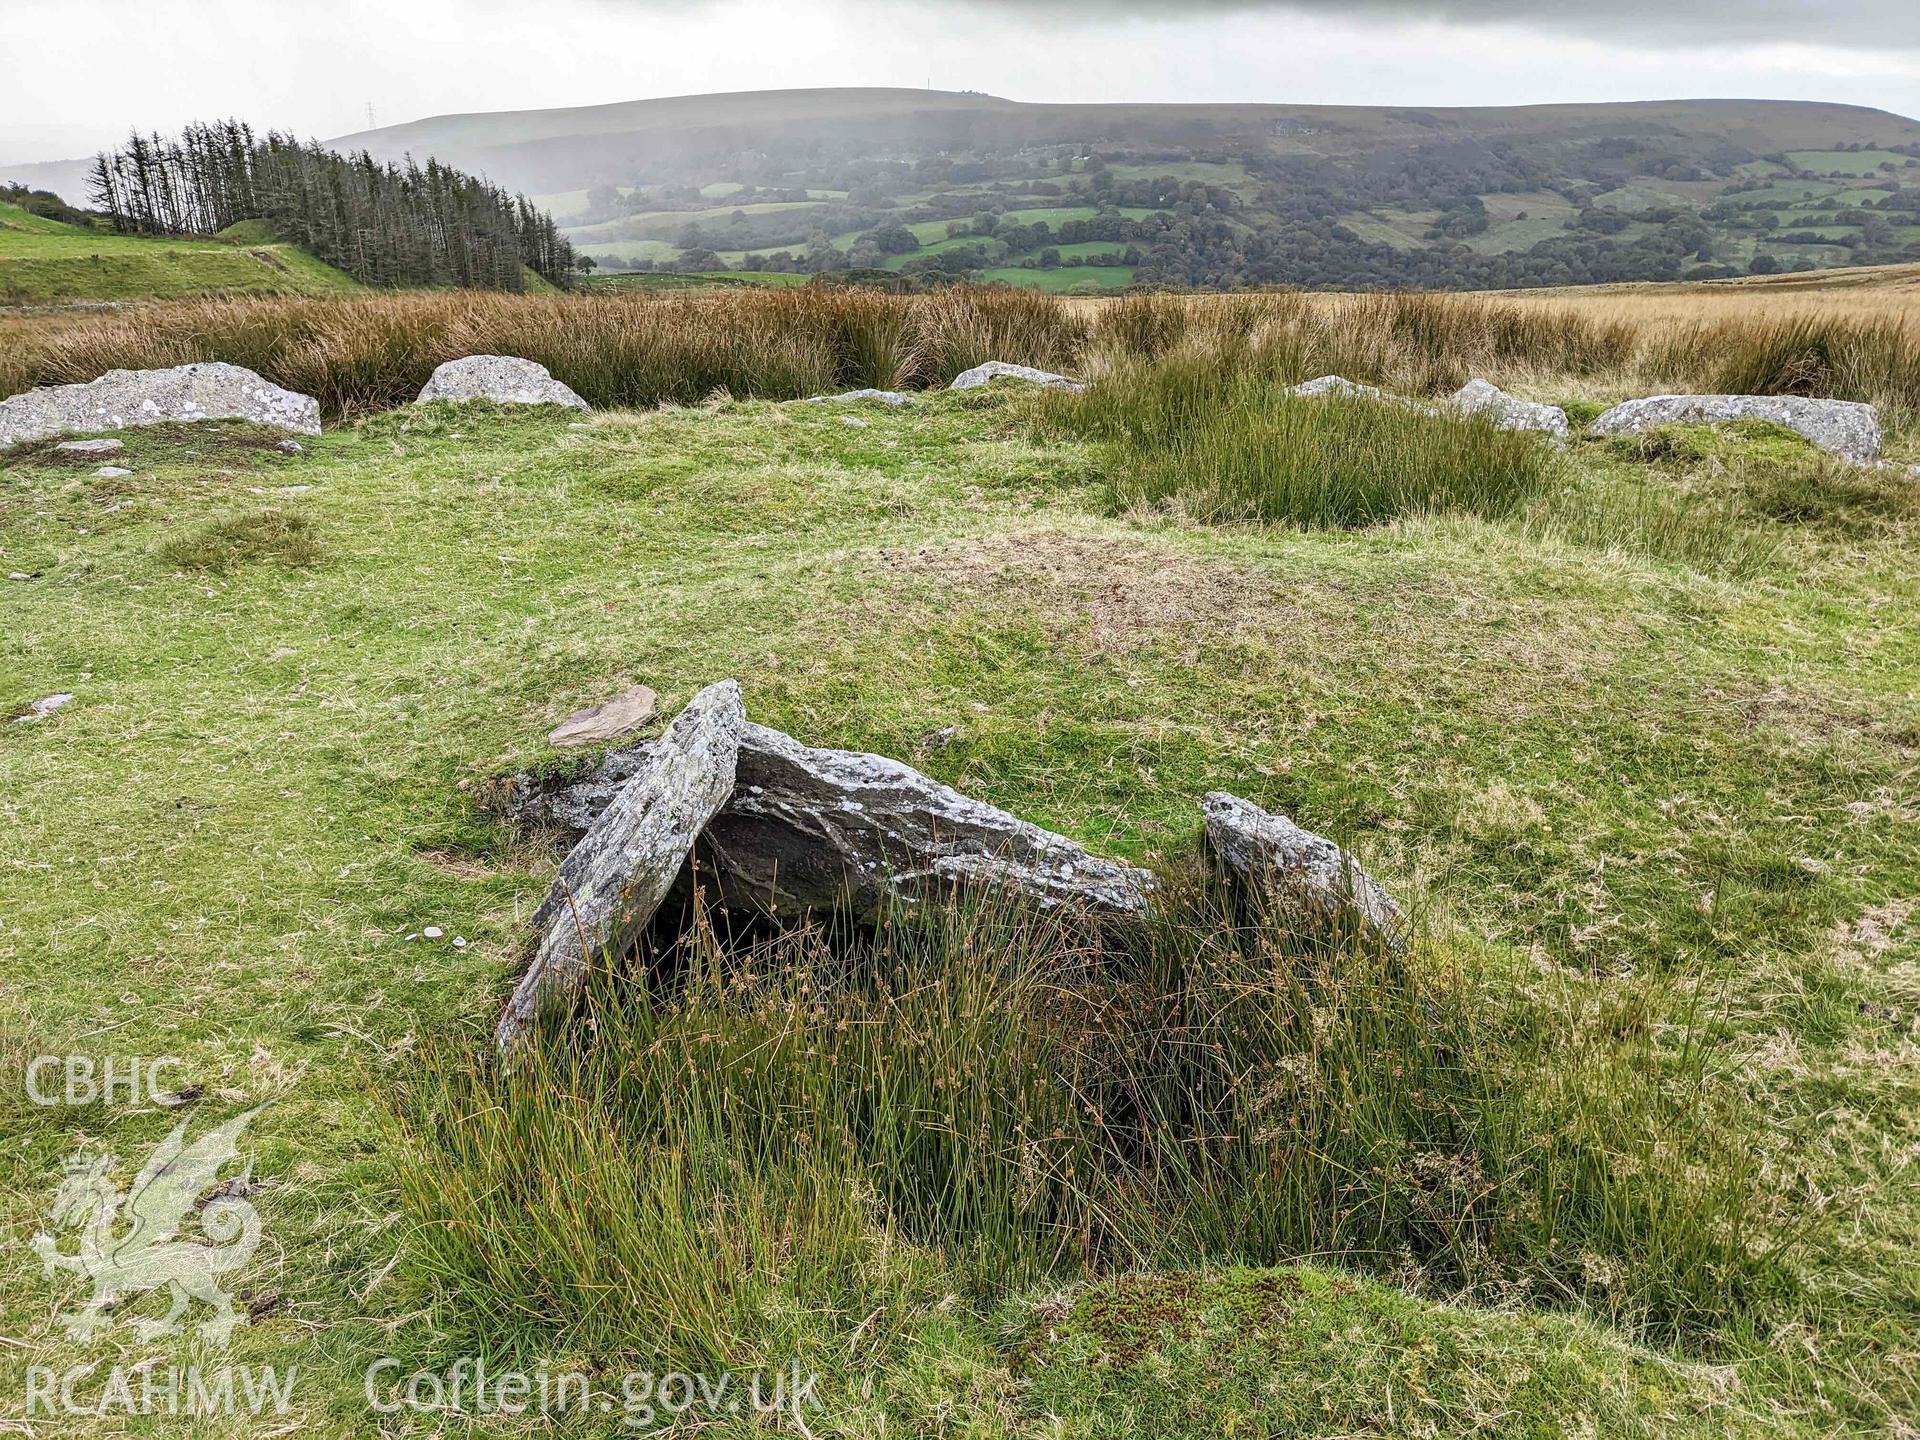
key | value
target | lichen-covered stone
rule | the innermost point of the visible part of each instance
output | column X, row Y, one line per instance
column 836, row 830
column 122, row 399
column 999, row 370
column 503, row 379
column 1339, row 385
column 1302, row 875
column 1481, row 397
column 1845, row 428
column 892, row 398
column 614, row 880
column 845, row 831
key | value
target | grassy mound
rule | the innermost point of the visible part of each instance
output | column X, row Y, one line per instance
column 50, row 263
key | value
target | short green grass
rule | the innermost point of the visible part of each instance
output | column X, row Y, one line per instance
column 1066, row 278
column 1668, row 800
column 1846, row 162
column 691, row 279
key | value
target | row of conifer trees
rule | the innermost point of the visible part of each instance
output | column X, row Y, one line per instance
column 383, row 224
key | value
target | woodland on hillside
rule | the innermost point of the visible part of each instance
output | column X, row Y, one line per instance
column 392, row 224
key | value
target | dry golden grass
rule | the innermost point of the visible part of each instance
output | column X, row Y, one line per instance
column 1867, row 292
column 1847, row 335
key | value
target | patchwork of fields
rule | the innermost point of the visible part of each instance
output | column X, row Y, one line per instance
column 1214, row 221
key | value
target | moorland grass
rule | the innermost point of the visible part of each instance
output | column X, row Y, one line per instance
column 260, row 535
column 1876, row 360
column 637, row 349
column 984, row 1082
column 1654, row 812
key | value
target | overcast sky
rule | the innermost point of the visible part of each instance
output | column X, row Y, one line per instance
column 75, row 74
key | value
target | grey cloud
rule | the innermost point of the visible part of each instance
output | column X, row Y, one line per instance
column 1633, row 24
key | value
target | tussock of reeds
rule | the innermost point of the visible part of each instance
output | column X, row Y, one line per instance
column 1209, row 429
column 983, row 1084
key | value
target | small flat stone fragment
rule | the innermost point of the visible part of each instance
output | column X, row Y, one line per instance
column 1000, row 370
column 43, row 707
column 894, row 399
column 108, row 472
column 616, row 719
column 91, row 447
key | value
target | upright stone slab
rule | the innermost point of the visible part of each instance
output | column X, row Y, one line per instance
column 122, row 399
column 1845, row 428
column 1300, row 873
column 836, row 830
column 616, row 877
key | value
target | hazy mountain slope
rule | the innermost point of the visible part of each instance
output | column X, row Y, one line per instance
column 1096, row 198
column 557, row 150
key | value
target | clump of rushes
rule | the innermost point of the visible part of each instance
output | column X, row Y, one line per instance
column 1837, row 357
column 1212, row 432
column 745, row 1129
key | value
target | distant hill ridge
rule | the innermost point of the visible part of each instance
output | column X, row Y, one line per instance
column 562, row 149
column 1077, row 198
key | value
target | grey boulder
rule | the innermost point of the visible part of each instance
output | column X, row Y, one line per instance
column 92, row 447
column 1339, row 385
column 503, row 379
column 614, row 880
column 999, row 370
column 121, row 399
column 892, row 398
column 1302, row 875
column 1481, row 397
column 1845, row 428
